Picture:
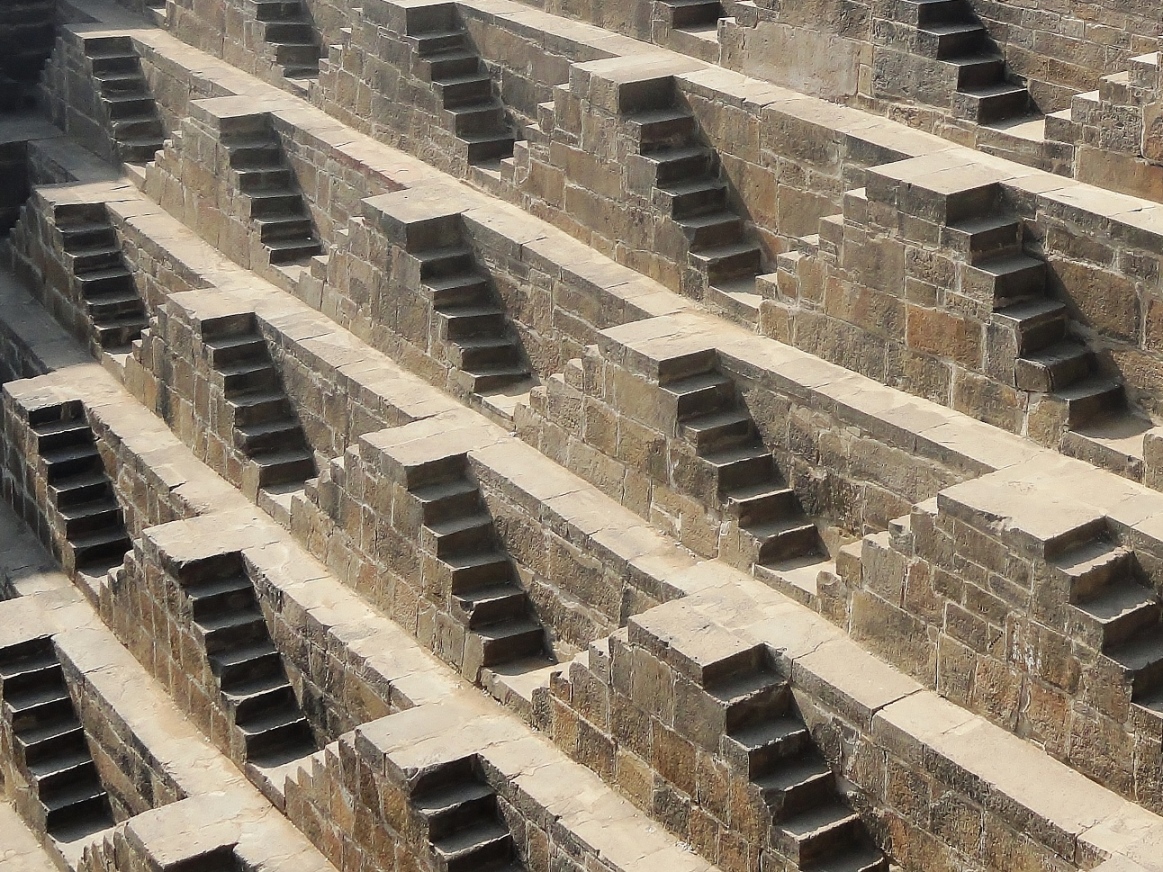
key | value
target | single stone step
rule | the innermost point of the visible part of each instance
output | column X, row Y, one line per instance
column 1053, row 368
column 1092, row 398
column 137, row 127
column 261, row 406
column 750, row 699
column 455, row 807
column 81, row 488
column 104, row 281
column 237, row 666
column 232, row 594
column 107, row 307
column 811, row 837
column 460, row 289
column 661, row 128
column 797, row 785
column 490, row 605
column 688, row 198
column 725, row 428
column 126, row 104
column 1094, row 566
column 84, row 518
column 510, row 640
column 438, row 41
column 478, row 353
column 277, row 10
column 491, row 378
column 249, row 701
column 758, row 747
column 284, row 466
column 701, row 394
column 100, row 546
column 712, row 229
column 933, row 12
column 455, row 62
column 251, row 154
column 784, row 539
column 477, row 119
column 1037, row 323
column 139, row 150
column 985, row 236
column 460, row 534
column 761, row 502
column 953, row 39
column 1002, row 280
column 61, row 737
column 267, row 178
column 227, row 630
column 693, row 13
column 95, row 259
column 71, row 460
column 1142, row 659
column 276, row 731
column 1122, row 611
column 993, row 103
column 978, row 70
column 294, row 52
column 461, row 322
column 39, row 707
column 248, row 375
column 278, row 435
column 740, row 466
column 485, row 147
column 479, row 569
column 277, row 203
column 726, row 262
column 62, row 434
column 457, row 498
column 681, row 162
column 85, row 235
column 444, row 262
column 31, row 674
column 296, row 227
column 284, row 251
column 57, row 773
column 119, row 332
column 83, row 803
column 247, row 347
column 467, row 89
column 480, row 846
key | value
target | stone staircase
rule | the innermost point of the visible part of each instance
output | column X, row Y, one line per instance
column 458, row 811
column 287, row 29
column 486, row 597
column 49, row 741
column 811, row 823
column 949, row 32
column 79, row 488
column 273, row 200
column 482, row 343
column 742, row 471
column 101, row 275
column 26, row 41
column 124, row 92
column 463, row 84
column 1117, row 612
column 1025, row 324
column 687, row 186
column 260, row 701
column 263, row 421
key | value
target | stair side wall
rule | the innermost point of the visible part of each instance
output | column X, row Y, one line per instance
column 72, row 97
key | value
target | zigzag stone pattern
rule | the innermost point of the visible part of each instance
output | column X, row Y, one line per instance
column 560, row 437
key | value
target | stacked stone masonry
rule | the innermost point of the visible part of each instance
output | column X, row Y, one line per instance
column 575, row 437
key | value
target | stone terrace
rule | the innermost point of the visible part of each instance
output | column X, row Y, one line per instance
column 485, row 435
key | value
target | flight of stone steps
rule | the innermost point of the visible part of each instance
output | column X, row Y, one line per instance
column 50, row 742
column 950, row 32
column 274, row 203
column 135, row 123
column 102, row 278
column 80, row 489
column 689, row 188
column 248, row 667
column 463, row 84
column 287, row 29
column 264, row 424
